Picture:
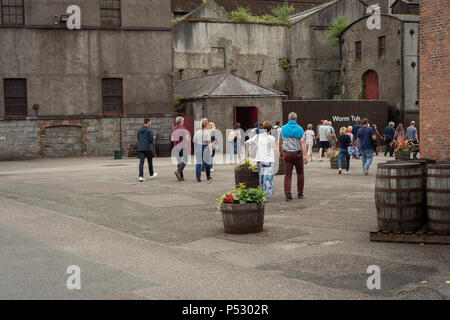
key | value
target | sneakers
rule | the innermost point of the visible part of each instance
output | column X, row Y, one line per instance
column 154, row 175
column 340, row 171
column 141, row 179
column 300, row 196
column 178, row 175
column 348, row 172
column 288, row 198
column 209, row 178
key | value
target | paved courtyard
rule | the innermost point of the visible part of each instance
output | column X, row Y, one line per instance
column 163, row 239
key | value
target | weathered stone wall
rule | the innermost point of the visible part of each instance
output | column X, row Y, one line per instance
column 28, row 139
column 216, row 46
column 315, row 61
column 389, row 68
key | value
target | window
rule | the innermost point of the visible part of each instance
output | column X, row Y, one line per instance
column 15, row 97
column 13, row 12
column 358, row 51
column 110, row 13
column 381, row 46
column 112, row 94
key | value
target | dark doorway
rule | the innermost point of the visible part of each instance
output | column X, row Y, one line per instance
column 371, row 84
column 246, row 116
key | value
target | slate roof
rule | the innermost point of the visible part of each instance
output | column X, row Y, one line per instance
column 256, row 7
column 222, row 85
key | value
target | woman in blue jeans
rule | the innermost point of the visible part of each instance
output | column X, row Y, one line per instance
column 203, row 151
column 345, row 141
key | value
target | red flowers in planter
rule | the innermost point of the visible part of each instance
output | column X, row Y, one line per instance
column 229, row 199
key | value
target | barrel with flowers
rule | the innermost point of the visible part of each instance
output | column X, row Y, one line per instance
column 243, row 210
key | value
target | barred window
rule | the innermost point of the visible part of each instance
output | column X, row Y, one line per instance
column 110, row 13
column 13, row 12
column 112, row 93
column 358, row 51
column 381, row 46
column 15, row 97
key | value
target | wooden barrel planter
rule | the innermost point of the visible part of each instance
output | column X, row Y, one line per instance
column 438, row 198
column 402, row 155
column 251, row 179
column 163, row 145
column 243, row 218
column 399, row 196
column 334, row 162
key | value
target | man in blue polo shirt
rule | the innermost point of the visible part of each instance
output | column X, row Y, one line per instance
column 366, row 136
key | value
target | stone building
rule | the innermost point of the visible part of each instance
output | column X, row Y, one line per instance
column 383, row 64
column 435, row 78
column 405, row 6
column 315, row 61
column 296, row 59
column 255, row 7
column 82, row 92
column 225, row 99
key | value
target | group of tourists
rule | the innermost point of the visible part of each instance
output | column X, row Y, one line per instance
column 290, row 143
column 266, row 139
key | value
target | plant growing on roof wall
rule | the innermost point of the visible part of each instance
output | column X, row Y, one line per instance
column 241, row 14
column 284, row 12
column 339, row 24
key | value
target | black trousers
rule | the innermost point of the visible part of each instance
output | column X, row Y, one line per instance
column 389, row 147
column 142, row 156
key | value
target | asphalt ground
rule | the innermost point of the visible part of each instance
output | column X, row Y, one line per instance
column 163, row 239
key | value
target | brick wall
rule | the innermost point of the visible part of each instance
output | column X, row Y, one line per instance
column 435, row 78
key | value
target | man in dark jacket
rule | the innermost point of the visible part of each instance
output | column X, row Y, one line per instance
column 145, row 139
column 388, row 134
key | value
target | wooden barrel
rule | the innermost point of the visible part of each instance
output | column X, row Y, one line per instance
column 402, row 155
column 399, row 196
column 163, row 145
column 335, row 163
column 251, row 179
column 438, row 198
column 243, row 218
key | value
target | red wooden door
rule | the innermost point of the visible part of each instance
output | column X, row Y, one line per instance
column 254, row 115
column 371, row 83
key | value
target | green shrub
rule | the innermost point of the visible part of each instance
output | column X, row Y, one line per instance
column 337, row 26
column 284, row 12
column 241, row 14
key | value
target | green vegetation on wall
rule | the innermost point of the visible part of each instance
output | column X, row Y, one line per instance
column 241, row 14
column 285, row 64
column 178, row 106
column 339, row 24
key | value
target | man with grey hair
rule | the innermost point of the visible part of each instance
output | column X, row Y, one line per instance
column 412, row 136
column 388, row 134
column 181, row 141
column 293, row 146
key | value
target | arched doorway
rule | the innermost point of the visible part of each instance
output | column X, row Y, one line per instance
column 370, row 79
